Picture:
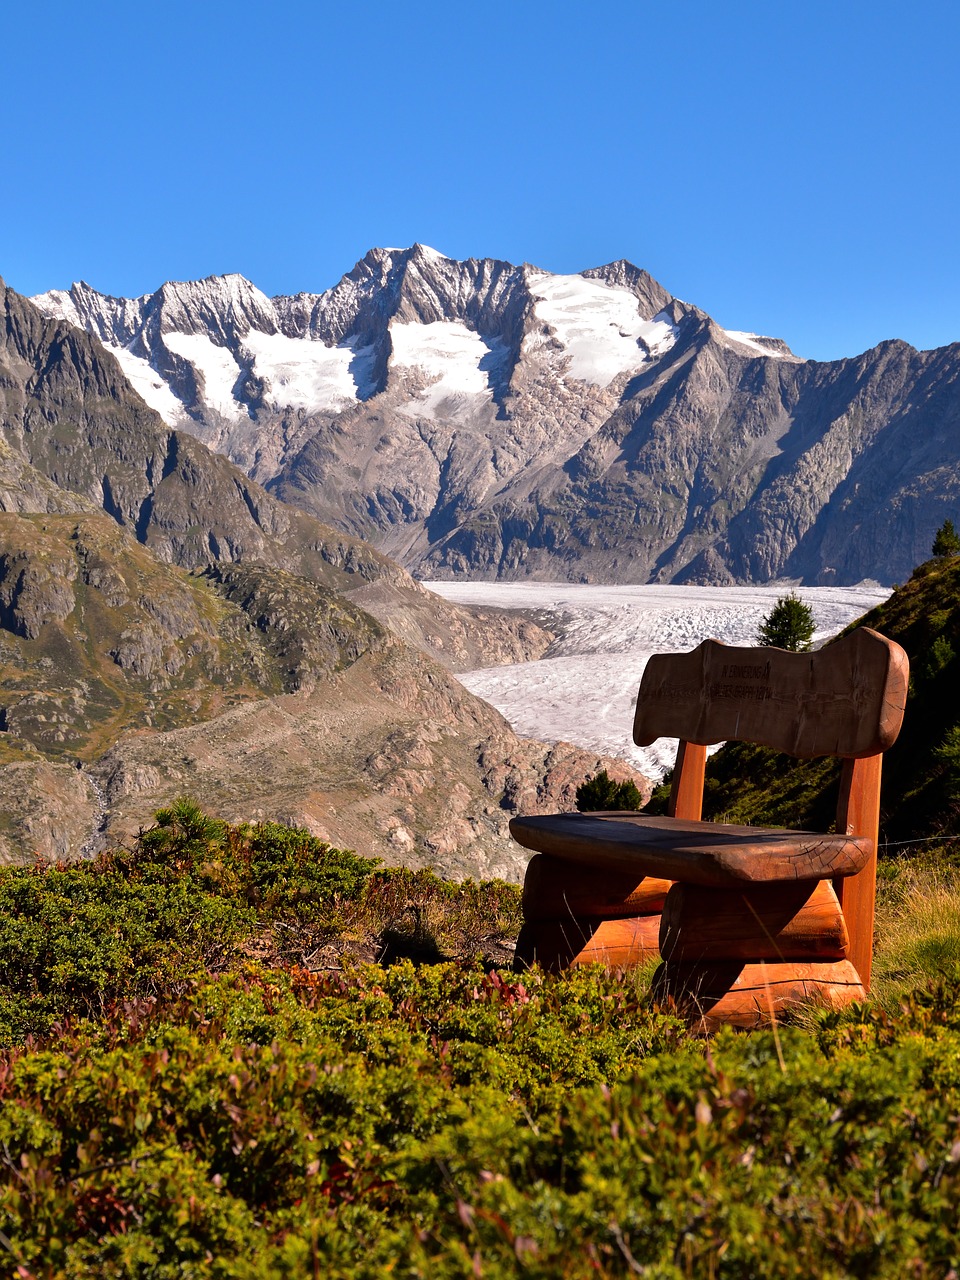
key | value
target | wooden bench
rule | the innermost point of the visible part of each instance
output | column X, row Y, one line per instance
column 746, row 919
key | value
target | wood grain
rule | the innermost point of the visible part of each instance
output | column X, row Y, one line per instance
column 706, row 853
column 751, row 995
column 562, row 944
column 788, row 921
column 846, row 699
column 858, row 811
column 686, row 790
column 556, row 890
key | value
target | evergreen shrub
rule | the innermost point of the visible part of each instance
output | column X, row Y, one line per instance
column 602, row 792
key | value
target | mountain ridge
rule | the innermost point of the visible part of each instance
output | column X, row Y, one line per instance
column 481, row 418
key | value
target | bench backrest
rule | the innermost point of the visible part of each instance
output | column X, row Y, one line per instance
column 844, row 700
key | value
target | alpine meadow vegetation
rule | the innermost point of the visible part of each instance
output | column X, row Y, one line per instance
column 205, row 1076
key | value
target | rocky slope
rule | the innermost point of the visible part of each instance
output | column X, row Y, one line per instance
column 126, row 681
column 168, row 627
column 499, row 420
column 76, row 437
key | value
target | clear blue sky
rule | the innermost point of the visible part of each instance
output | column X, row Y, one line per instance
column 790, row 167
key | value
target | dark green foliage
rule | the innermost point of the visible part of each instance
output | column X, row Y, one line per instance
column 750, row 784
column 444, row 1122
column 788, row 625
column 948, row 755
column 198, row 896
column 935, row 659
column 659, row 801
column 602, row 792
column 921, row 784
column 947, row 540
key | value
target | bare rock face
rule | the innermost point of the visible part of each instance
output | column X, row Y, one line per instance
column 48, row 812
column 34, row 589
column 494, row 420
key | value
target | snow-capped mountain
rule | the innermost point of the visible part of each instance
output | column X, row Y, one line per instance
column 498, row 420
column 213, row 355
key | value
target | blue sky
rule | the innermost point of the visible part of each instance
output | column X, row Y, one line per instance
column 789, row 167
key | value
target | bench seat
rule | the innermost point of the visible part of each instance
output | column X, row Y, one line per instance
column 704, row 853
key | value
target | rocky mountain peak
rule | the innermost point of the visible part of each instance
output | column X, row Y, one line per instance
column 222, row 308
column 476, row 416
column 651, row 295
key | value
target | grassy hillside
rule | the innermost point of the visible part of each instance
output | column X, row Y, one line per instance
column 199, row 1083
column 98, row 636
column 921, row 779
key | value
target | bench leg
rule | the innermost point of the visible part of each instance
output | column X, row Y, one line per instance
column 750, row 995
column 564, row 944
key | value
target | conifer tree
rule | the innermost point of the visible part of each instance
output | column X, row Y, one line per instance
column 947, row 541
column 788, row 625
column 602, row 792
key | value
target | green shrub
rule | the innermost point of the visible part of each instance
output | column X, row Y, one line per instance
column 935, row 659
column 446, row 1122
column 947, row 753
column 947, row 541
column 198, row 896
column 602, row 792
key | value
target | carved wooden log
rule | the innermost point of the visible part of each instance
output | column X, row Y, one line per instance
column 562, row 944
column 556, row 890
column 751, row 995
column 791, row 921
column 846, row 699
column 708, row 853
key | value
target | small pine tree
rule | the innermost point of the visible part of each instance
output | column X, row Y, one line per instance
column 601, row 792
column 947, row 541
column 788, row 625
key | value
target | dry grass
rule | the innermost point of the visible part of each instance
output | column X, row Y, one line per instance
column 918, row 928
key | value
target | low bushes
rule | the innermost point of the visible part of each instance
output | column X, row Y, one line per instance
column 180, row 1098
column 448, row 1122
column 197, row 897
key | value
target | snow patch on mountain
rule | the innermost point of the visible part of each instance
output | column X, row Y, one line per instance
column 58, row 305
column 599, row 326
column 216, row 366
column 756, row 342
column 460, row 363
column 149, row 385
column 301, row 373
column 432, row 255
